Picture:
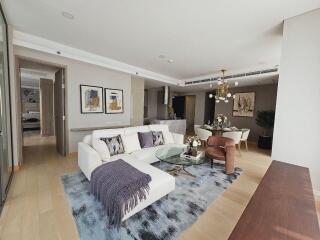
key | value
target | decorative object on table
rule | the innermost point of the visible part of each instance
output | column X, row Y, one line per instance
column 193, row 144
column 113, row 100
column 91, row 98
column 194, row 158
column 220, row 121
column 265, row 119
column 190, row 199
column 222, row 92
column 223, row 149
column 243, row 104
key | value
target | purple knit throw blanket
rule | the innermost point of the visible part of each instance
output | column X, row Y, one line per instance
column 119, row 187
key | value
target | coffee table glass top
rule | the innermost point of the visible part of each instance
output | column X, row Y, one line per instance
column 172, row 155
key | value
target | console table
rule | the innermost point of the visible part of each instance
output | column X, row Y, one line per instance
column 282, row 207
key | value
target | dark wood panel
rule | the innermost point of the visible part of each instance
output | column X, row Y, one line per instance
column 282, row 207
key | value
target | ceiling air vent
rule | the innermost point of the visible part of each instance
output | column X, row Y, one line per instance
column 271, row 70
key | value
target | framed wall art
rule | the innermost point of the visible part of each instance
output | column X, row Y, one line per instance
column 91, row 98
column 244, row 104
column 113, row 100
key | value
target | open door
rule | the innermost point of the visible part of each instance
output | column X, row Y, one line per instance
column 46, row 107
column 59, row 110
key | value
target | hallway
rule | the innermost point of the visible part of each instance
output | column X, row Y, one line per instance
column 36, row 207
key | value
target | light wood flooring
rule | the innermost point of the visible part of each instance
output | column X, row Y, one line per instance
column 37, row 207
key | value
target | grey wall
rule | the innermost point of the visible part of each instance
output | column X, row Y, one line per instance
column 265, row 100
column 152, row 103
column 137, row 101
column 83, row 73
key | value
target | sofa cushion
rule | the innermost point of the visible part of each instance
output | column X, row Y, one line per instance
column 168, row 138
column 131, row 142
column 97, row 134
column 159, row 127
column 101, row 148
column 87, row 139
column 145, row 139
column 114, row 144
column 131, row 130
column 157, row 138
column 165, row 131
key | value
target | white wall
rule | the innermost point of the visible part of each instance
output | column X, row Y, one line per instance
column 83, row 73
column 297, row 122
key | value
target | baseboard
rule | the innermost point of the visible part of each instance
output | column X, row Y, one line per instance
column 16, row 168
column 72, row 155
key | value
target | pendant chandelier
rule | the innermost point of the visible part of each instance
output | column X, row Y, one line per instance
column 222, row 92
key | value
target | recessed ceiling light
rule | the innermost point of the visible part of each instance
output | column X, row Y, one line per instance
column 68, row 15
column 170, row 61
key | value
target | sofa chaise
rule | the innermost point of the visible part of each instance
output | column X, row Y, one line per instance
column 90, row 157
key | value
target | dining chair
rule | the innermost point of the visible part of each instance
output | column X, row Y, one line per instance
column 244, row 137
column 236, row 136
column 203, row 135
column 196, row 129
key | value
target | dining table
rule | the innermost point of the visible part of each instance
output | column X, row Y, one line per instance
column 218, row 131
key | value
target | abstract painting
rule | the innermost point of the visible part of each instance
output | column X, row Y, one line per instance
column 91, row 99
column 30, row 95
column 113, row 100
column 243, row 104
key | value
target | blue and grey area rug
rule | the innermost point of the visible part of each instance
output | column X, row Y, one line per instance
column 165, row 219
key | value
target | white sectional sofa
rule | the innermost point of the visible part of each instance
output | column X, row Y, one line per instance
column 161, row 184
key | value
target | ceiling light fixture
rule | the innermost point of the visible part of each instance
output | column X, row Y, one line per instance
column 68, row 15
column 170, row 61
column 222, row 93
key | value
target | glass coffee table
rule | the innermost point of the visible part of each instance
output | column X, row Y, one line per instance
column 171, row 155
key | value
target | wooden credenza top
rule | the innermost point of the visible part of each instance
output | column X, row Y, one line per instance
column 282, row 208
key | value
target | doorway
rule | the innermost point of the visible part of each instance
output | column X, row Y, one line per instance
column 6, row 156
column 184, row 108
column 42, row 94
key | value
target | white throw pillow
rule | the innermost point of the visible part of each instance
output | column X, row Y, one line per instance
column 101, row 148
column 168, row 138
column 131, row 142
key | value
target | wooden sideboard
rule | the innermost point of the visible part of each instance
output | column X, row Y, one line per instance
column 282, row 207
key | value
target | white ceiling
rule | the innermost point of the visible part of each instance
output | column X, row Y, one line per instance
column 201, row 36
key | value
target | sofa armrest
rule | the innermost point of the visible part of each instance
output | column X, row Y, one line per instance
column 178, row 138
column 88, row 159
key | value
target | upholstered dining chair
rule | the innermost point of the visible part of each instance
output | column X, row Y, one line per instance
column 244, row 137
column 196, row 127
column 236, row 136
column 222, row 149
column 203, row 135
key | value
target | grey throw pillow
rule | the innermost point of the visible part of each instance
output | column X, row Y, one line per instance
column 145, row 139
column 114, row 145
column 157, row 138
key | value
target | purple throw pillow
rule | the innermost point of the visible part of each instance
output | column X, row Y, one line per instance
column 145, row 139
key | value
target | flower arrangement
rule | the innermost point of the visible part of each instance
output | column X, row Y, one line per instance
column 193, row 144
column 221, row 120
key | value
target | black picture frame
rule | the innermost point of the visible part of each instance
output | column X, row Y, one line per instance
column 81, row 103
column 105, row 100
